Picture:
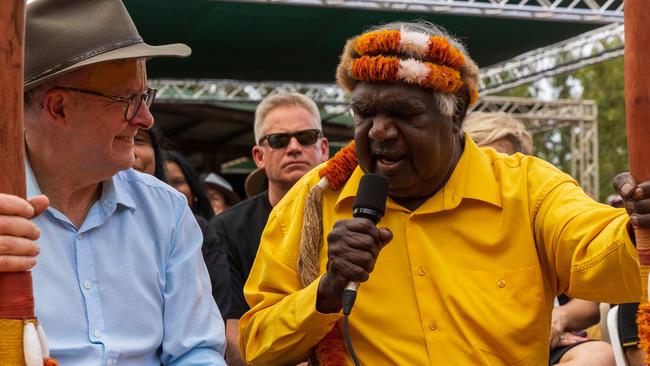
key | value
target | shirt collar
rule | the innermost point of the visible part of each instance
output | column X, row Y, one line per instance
column 113, row 190
column 472, row 178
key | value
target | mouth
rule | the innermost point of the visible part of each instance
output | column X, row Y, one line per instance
column 128, row 139
column 388, row 164
column 296, row 164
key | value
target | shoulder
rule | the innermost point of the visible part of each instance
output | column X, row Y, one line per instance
column 148, row 192
column 532, row 168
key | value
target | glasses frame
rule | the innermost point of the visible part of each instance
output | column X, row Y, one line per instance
column 291, row 135
column 148, row 96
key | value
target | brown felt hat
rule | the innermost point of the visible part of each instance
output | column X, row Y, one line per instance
column 64, row 35
column 256, row 182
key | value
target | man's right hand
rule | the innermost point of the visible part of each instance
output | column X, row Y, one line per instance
column 18, row 234
column 353, row 248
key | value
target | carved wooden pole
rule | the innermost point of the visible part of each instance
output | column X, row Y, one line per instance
column 16, row 298
column 637, row 109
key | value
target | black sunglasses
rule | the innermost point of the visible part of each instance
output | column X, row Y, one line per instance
column 133, row 102
column 282, row 140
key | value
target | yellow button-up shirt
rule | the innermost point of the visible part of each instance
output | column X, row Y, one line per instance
column 468, row 279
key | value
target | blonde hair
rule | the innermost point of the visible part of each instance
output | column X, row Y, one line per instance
column 486, row 127
column 284, row 100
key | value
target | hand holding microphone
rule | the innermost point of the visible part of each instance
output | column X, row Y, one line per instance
column 354, row 244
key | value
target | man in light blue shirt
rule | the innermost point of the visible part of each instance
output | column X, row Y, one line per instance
column 120, row 279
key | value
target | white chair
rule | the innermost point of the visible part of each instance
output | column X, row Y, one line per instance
column 617, row 347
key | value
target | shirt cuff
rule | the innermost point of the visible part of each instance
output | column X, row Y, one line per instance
column 313, row 323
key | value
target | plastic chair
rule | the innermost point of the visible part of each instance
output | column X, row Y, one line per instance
column 617, row 347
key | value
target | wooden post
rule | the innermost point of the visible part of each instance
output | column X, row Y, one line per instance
column 16, row 298
column 637, row 110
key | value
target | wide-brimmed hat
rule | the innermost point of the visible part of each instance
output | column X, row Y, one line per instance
column 256, row 182
column 64, row 35
column 223, row 186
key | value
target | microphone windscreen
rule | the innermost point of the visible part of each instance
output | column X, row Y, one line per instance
column 371, row 194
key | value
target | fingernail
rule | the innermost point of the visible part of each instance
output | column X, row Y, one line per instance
column 626, row 188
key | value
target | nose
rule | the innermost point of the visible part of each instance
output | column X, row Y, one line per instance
column 143, row 119
column 382, row 129
column 294, row 146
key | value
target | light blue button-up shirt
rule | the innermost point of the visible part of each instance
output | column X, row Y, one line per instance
column 128, row 288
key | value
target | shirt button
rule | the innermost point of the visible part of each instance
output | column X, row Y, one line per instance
column 79, row 236
column 97, row 333
column 88, row 285
column 422, row 271
column 501, row 283
column 433, row 325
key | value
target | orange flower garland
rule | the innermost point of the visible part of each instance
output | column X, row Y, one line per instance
column 390, row 42
column 390, row 68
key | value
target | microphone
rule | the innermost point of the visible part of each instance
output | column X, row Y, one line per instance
column 370, row 203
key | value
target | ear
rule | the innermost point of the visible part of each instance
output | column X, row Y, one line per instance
column 461, row 109
column 54, row 106
column 324, row 148
column 258, row 156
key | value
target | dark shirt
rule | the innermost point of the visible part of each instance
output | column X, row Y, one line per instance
column 239, row 229
column 215, row 255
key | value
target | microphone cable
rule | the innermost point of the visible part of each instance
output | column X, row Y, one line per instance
column 370, row 204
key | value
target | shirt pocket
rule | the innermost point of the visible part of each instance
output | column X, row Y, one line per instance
column 500, row 312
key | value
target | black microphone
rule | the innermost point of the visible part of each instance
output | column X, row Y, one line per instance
column 370, row 203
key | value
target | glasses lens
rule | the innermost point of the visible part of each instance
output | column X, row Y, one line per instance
column 134, row 105
column 307, row 137
column 150, row 96
column 279, row 140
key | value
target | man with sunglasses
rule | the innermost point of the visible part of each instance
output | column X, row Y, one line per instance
column 289, row 143
column 120, row 277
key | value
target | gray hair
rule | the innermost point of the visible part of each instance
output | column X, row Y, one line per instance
column 284, row 100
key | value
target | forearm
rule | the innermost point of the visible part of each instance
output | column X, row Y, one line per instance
column 285, row 331
column 581, row 314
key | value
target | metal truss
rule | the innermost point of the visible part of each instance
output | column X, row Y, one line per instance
column 592, row 47
column 579, row 117
column 584, row 11
column 244, row 92
column 589, row 48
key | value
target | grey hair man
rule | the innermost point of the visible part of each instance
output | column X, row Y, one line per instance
column 120, row 278
column 289, row 142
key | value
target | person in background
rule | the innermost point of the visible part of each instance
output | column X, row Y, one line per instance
column 184, row 178
column 569, row 343
column 148, row 154
column 119, row 278
column 500, row 131
column 289, row 142
column 219, row 192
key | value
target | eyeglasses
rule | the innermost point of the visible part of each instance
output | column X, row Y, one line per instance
column 282, row 140
column 133, row 102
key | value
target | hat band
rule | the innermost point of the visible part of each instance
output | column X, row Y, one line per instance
column 434, row 49
column 71, row 61
column 412, row 71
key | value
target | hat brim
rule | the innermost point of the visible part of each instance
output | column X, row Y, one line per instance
column 138, row 50
column 255, row 182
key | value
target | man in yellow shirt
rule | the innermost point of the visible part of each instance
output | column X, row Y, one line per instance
column 472, row 249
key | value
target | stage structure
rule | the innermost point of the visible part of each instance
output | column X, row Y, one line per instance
column 587, row 11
